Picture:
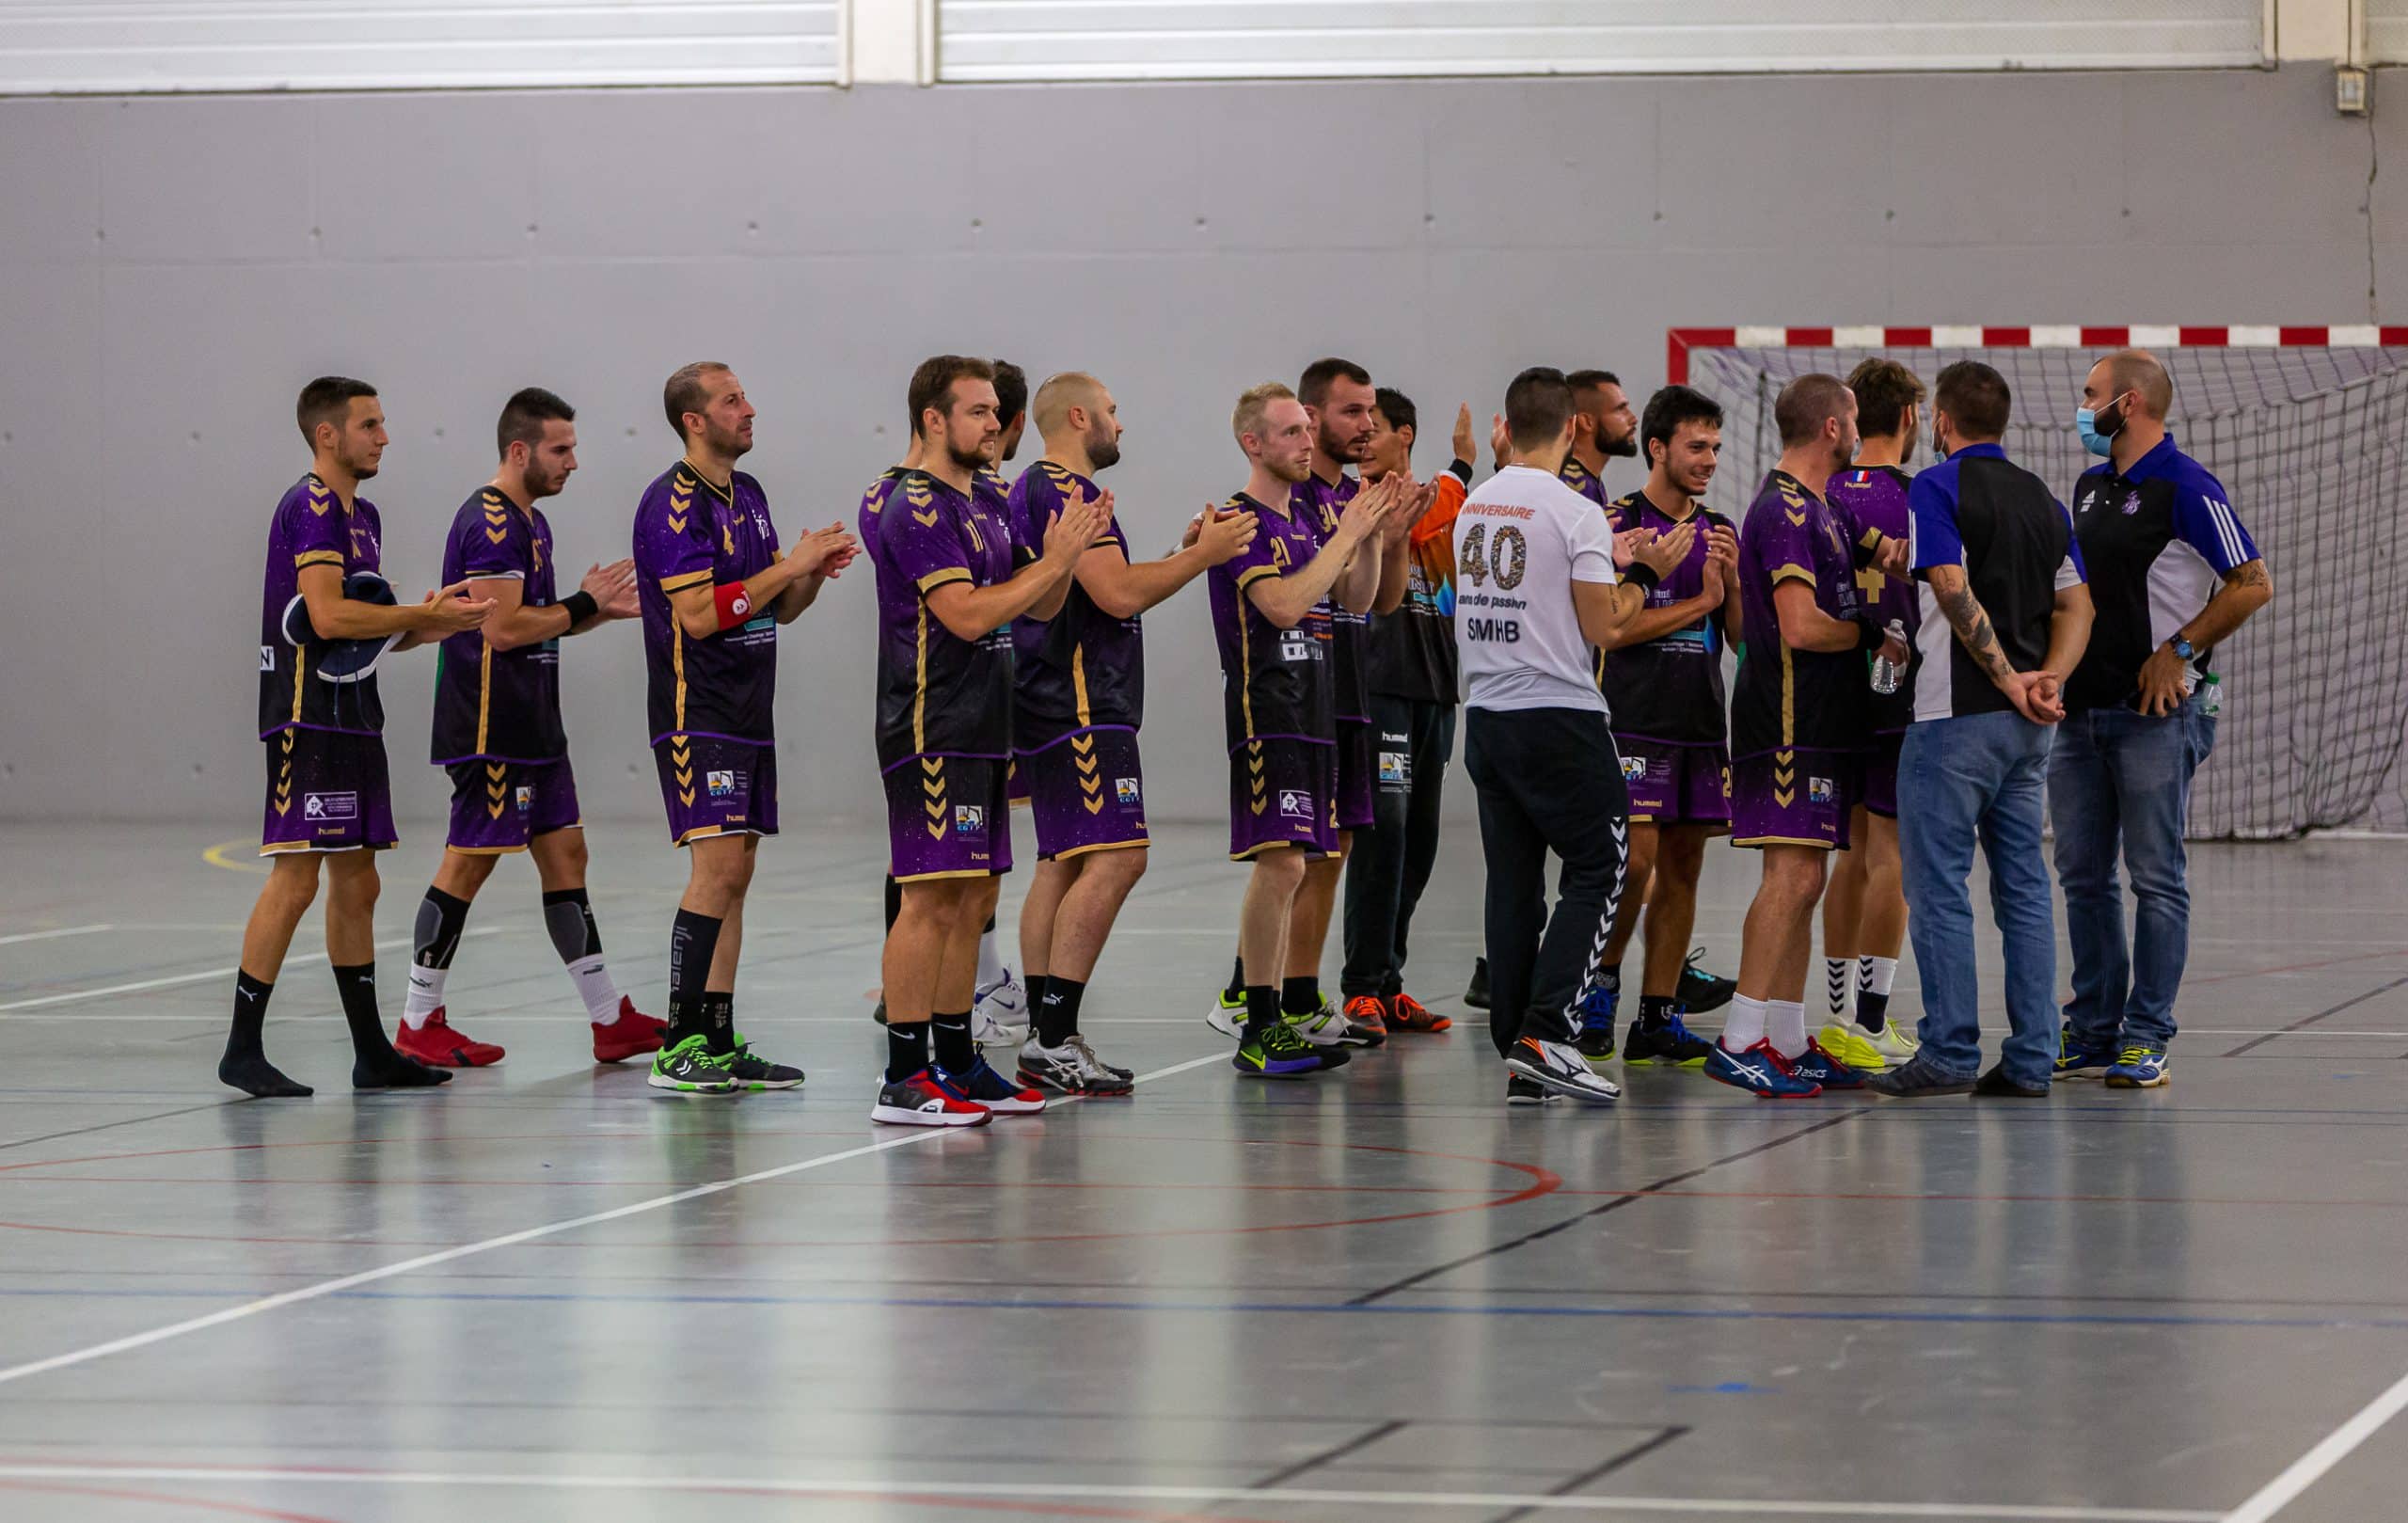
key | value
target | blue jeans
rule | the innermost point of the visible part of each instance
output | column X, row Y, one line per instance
column 1978, row 778
column 2118, row 778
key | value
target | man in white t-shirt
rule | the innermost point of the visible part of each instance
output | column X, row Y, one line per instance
column 1535, row 594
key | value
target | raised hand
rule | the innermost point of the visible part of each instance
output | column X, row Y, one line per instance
column 612, row 588
column 450, row 611
column 1893, row 558
column 1367, row 510
column 1411, row 498
column 1666, row 550
column 825, row 550
column 1721, row 562
column 1195, row 526
column 1626, row 542
column 1225, row 535
column 1075, row 528
column 1500, row 442
column 1463, row 441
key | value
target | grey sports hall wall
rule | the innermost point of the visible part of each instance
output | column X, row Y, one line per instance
column 172, row 269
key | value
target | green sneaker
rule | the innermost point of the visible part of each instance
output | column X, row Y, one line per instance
column 691, row 1067
column 1225, row 1015
column 1283, row 1055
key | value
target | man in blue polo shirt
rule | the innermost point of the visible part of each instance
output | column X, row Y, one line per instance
column 2174, row 574
column 2004, row 618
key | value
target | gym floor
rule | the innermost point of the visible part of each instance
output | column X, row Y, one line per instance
column 546, row 1293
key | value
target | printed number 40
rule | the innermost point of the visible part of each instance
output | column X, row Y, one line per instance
column 1505, row 556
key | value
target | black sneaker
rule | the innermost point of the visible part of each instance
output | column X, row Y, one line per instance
column 1669, row 1042
column 1995, row 1085
column 1521, row 1092
column 1596, row 1038
column 1916, row 1078
column 1701, row 991
column 879, row 1015
column 1476, row 995
column 750, row 1072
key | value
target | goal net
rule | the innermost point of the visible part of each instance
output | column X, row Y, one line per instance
column 2307, row 429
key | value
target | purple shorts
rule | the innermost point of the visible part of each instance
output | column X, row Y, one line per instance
column 713, row 786
column 1881, row 795
column 946, row 817
column 1794, row 798
column 500, row 806
column 1358, row 773
column 1086, row 792
column 1283, row 792
column 326, row 791
column 1674, row 785
column 1015, row 785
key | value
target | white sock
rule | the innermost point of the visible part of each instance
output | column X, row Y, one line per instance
column 425, row 996
column 594, row 986
column 1745, row 1025
column 1880, row 973
column 1785, row 1026
column 1839, row 976
column 991, row 959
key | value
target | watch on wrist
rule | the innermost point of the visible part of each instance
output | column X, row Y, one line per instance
column 2183, row 649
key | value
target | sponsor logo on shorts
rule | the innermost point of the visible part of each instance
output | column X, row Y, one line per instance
column 526, row 797
column 1394, row 767
column 1295, row 803
column 722, row 785
column 1818, row 790
column 969, row 818
column 1295, row 645
column 1125, row 789
column 330, row 806
column 1633, row 768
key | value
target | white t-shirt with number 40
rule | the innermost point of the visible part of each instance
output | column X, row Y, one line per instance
column 1521, row 541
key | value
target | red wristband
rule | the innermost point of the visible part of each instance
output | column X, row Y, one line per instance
column 734, row 607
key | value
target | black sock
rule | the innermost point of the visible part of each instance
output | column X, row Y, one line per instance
column 440, row 918
column 375, row 1064
column 1057, row 1011
column 1261, row 1010
column 894, row 901
column 719, row 1021
column 907, row 1049
column 1300, row 996
column 568, row 915
column 692, row 940
column 1610, row 979
column 1235, row 990
column 245, row 1065
column 1036, row 984
column 1655, row 1011
column 950, row 1035
column 1872, row 1009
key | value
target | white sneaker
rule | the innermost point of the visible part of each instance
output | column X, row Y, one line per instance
column 1559, row 1065
column 999, row 1015
column 1325, row 1027
column 1895, row 1046
column 1225, row 1018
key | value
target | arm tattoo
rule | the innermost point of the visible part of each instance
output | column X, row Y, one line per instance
column 1972, row 625
column 2249, row 574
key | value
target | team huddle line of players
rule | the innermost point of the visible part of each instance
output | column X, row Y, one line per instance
column 1010, row 669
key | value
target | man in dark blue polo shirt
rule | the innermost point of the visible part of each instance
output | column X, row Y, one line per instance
column 2004, row 618
column 2174, row 574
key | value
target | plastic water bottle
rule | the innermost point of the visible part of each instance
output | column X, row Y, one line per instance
column 1887, row 672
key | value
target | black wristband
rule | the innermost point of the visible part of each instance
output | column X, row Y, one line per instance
column 580, row 606
column 1869, row 635
column 1641, row 576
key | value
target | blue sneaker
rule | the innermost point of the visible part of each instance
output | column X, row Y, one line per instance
column 2078, row 1059
column 2139, row 1068
column 1596, row 1039
column 1818, row 1066
column 1759, row 1070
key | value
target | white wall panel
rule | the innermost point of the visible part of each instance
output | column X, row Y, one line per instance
column 2387, row 31
column 129, row 46
column 991, row 39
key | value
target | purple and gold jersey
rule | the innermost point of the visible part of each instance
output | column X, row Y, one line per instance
column 313, row 528
column 1274, row 682
column 1875, row 498
column 689, row 534
column 993, row 488
column 1322, row 501
column 498, row 706
column 1667, row 689
column 937, row 694
column 1082, row 667
column 1588, row 484
column 1802, row 699
column 874, row 501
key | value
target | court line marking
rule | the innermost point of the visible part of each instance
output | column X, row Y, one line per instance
column 206, row 974
column 427, row 1261
column 2309, row 1467
column 215, row 857
column 52, row 935
column 2300, row 1027
column 1077, row 1492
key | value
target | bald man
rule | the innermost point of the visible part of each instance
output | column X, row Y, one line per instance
column 2173, row 575
column 1078, row 690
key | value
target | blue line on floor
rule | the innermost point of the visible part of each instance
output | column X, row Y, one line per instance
column 2079, row 1319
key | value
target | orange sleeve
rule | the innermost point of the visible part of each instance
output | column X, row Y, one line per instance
column 1439, row 522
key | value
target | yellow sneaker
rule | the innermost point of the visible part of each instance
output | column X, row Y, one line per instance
column 1849, row 1043
column 1895, row 1046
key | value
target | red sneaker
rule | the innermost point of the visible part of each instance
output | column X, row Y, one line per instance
column 1405, row 1013
column 436, row 1045
column 632, row 1035
column 928, row 1098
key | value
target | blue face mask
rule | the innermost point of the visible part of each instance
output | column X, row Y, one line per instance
column 2098, row 428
